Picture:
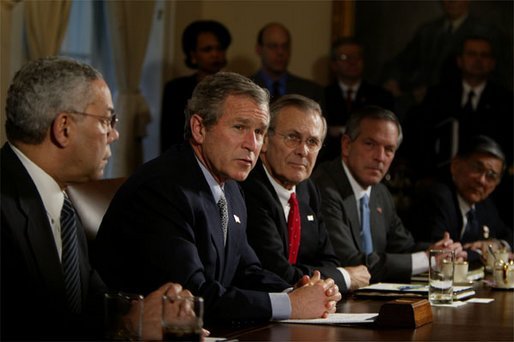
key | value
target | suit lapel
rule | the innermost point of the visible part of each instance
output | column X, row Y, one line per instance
column 349, row 202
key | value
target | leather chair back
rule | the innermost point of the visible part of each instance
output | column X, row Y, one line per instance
column 91, row 201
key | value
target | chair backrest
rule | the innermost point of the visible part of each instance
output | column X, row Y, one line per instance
column 91, row 201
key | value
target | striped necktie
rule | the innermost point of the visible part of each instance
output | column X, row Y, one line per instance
column 70, row 257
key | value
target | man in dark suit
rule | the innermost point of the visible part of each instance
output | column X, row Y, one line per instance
column 280, row 179
column 463, row 207
column 429, row 58
column 182, row 216
column 52, row 142
column 274, row 49
column 348, row 92
column 204, row 43
column 60, row 124
column 476, row 105
column 359, row 211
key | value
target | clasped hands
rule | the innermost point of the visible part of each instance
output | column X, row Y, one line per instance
column 447, row 243
column 314, row 297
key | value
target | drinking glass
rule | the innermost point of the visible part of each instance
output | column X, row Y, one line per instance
column 123, row 316
column 440, row 276
column 182, row 318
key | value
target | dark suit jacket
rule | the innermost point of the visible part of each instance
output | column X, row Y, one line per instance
column 298, row 85
column 174, row 102
column 268, row 234
column 337, row 114
column 32, row 283
column 392, row 243
column 492, row 117
column 439, row 208
column 164, row 225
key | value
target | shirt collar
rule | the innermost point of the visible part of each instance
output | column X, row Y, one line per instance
column 50, row 192
column 357, row 189
column 463, row 205
column 344, row 87
column 216, row 188
column 268, row 82
column 282, row 193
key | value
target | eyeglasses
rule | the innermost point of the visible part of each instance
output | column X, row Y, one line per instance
column 293, row 140
column 107, row 121
column 349, row 58
column 477, row 168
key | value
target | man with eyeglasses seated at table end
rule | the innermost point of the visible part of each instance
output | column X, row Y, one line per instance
column 60, row 124
column 280, row 178
column 463, row 207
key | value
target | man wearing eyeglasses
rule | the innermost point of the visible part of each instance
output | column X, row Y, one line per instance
column 278, row 189
column 60, row 124
column 274, row 49
column 463, row 207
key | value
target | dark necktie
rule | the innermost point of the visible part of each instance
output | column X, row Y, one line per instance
column 471, row 232
column 367, row 243
column 468, row 106
column 70, row 256
column 275, row 91
column 349, row 100
column 222, row 205
column 293, row 228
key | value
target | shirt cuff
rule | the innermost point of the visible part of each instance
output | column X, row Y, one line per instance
column 280, row 306
column 419, row 262
column 346, row 276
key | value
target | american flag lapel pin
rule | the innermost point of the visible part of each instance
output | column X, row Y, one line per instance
column 310, row 217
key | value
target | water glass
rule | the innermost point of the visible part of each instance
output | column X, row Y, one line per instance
column 123, row 316
column 182, row 318
column 440, row 276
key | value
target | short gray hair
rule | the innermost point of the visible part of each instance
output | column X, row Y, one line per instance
column 210, row 94
column 40, row 90
column 353, row 128
column 298, row 101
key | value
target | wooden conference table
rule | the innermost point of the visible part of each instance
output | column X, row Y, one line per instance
column 471, row 322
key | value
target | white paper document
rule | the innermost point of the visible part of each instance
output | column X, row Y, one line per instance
column 337, row 318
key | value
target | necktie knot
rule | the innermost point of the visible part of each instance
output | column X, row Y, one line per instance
column 468, row 106
column 293, row 228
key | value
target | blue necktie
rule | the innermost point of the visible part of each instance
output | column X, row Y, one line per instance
column 367, row 243
column 70, row 257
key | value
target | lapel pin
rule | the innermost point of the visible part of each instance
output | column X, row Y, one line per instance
column 236, row 218
column 379, row 210
column 310, row 217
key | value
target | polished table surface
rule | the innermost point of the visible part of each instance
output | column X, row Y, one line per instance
column 471, row 322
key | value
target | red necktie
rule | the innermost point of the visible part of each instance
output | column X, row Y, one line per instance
column 294, row 229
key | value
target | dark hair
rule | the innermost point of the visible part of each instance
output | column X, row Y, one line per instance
column 481, row 144
column 340, row 42
column 210, row 95
column 476, row 37
column 260, row 34
column 193, row 30
column 353, row 128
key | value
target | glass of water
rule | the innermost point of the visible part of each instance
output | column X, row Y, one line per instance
column 442, row 263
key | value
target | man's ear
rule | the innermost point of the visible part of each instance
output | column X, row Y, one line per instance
column 198, row 130
column 345, row 143
column 265, row 143
column 60, row 129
